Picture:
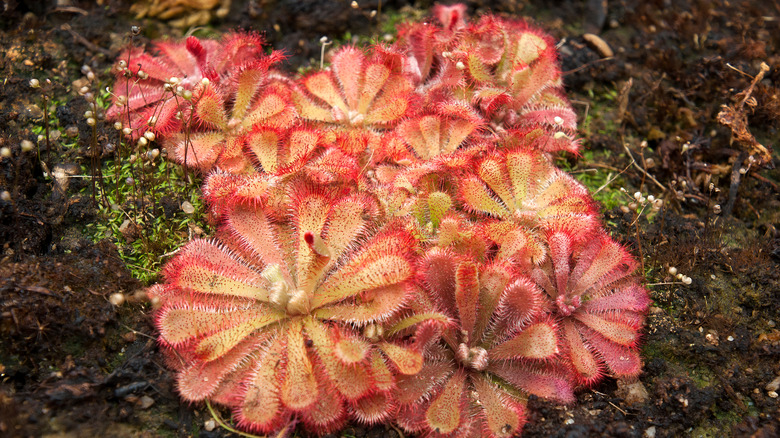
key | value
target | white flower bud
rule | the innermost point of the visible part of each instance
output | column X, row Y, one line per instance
column 27, row 145
column 35, row 83
column 91, row 121
column 149, row 135
column 127, row 131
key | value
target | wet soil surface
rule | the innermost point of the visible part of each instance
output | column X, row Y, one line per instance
column 74, row 364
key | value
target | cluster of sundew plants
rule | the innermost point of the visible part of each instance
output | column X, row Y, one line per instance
column 394, row 243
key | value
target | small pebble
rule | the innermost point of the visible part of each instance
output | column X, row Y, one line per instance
column 187, row 207
column 146, row 402
column 650, row 432
column 210, row 425
column 599, row 45
column 774, row 385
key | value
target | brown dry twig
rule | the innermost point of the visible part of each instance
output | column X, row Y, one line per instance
column 735, row 118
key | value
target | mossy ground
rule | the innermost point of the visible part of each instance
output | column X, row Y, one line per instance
column 73, row 364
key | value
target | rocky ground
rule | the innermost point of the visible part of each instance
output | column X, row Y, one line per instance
column 77, row 362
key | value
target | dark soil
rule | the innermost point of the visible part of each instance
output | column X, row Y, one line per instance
column 72, row 364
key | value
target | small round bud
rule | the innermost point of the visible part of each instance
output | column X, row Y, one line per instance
column 91, row 121
column 27, row 145
column 152, row 120
column 83, row 90
column 142, row 74
column 354, row 5
column 742, row 171
column 149, row 135
column 129, row 181
column 35, row 83
column 87, row 114
column 143, row 141
column 122, row 64
column 716, row 209
column 109, row 147
column 118, row 126
column 167, row 87
column 90, row 76
column 187, row 94
column 89, row 97
column 324, row 40
column 672, row 270
column 624, row 209
column 687, row 280
column 637, row 195
column 179, row 90
column 135, row 30
column 460, row 65
column 117, row 299
column 121, row 100
column 173, row 80
column 154, row 153
column 5, row 195
column 41, row 138
column 205, row 81
column 679, row 276
column 651, row 198
column 633, row 206
column 127, row 131
column 558, row 120
column 373, row 13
